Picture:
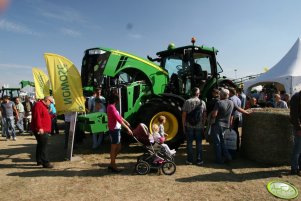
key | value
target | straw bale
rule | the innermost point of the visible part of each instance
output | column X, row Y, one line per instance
column 267, row 136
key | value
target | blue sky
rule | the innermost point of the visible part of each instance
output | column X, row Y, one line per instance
column 249, row 35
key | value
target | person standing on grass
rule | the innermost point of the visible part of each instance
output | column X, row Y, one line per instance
column 242, row 96
column 54, row 126
column 115, row 121
column 98, row 137
column 2, row 120
column 237, row 113
column 222, row 113
column 41, row 127
column 7, row 109
column 97, row 96
column 20, row 108
column 27, row 115
column 194, row 131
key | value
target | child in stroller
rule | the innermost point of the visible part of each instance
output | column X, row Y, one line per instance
column 155, row 156
column 155, row 137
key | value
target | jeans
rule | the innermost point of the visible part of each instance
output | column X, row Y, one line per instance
column 2, row 126
column 97, row 140
column 221, row 153
column 296, row 158
column 41, row 151
column 20, row 122
column 194, row 133
column 10, row 125
column 236, row 122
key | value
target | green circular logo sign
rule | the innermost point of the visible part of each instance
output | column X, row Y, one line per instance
column 282, row 190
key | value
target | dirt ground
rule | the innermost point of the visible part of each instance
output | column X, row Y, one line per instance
column 87, row 178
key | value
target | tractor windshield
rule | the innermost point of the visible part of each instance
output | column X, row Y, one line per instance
column 188, row 67
column 93, row 66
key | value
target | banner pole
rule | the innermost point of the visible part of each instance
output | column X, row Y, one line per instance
column 71, row 136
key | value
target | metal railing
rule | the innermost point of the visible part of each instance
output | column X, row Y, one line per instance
column 240, row 81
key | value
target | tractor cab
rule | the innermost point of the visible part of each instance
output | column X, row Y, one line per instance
column 10, row 92
column 188, row 67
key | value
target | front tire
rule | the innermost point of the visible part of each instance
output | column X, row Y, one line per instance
column 150, row 113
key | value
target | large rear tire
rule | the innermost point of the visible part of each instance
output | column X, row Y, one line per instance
column 150, row 112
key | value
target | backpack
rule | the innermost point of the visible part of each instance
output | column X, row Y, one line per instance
column 194, row 116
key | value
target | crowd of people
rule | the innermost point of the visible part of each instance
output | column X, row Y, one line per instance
column 35, row 117
column 221, row 113
column 268, row 97
column 15, row 114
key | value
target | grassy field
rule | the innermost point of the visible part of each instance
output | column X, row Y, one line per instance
column 87, row 178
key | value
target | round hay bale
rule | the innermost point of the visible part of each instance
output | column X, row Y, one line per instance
column 267, row 136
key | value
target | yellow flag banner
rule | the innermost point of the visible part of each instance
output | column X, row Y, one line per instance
column 41, row 82
column 66, row 84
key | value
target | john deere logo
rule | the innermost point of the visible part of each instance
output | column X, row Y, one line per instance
column 282, row 190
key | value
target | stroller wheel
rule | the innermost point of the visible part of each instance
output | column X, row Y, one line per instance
column 142, row 168
column 169, row 168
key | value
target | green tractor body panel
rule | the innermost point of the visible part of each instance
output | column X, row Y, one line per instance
column 153, row 87
column 121, row 61
column 94, row 123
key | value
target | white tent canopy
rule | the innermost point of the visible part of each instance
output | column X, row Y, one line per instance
column 285, row 75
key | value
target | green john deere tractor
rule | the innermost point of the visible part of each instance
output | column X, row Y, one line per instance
column 10, row 92
column 153, row 87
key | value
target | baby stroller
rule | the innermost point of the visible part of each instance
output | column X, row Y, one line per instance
column 154, row 156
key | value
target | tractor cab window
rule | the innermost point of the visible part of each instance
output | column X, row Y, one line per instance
column 204, row 62
column 173, row 65
column 93, row 65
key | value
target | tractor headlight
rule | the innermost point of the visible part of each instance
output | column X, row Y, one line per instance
column 96, row 51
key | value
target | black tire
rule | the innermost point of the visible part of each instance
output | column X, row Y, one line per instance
column 142, row 168
column 149, row 113
column 168, row 168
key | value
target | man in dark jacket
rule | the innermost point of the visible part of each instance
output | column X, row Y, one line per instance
column 295, row 116
column 222, row 113
column 41, row 127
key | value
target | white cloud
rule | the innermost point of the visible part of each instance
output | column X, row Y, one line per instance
column 16, row 28
column 70, row 32
column 14, row 66
column 51, row 10
column 135, row 36
column 69, row 15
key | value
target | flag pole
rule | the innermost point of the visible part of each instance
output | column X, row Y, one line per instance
column 71, row 136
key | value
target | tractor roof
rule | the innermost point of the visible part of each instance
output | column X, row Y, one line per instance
column 180, row 50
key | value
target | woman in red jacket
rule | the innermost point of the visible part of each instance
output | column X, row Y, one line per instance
column 41, row 127
column 115, row 121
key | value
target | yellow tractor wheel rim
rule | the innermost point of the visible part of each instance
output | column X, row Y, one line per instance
column 171, row 126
